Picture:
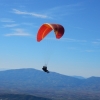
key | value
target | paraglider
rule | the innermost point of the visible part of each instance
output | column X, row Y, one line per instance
column 45, row 29
column 45, row 69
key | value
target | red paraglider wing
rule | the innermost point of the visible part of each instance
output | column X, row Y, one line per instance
column 47, row 28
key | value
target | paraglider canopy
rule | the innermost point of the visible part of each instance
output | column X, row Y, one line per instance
column 46, row 28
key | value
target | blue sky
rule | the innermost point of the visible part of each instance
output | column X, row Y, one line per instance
column 76, row 53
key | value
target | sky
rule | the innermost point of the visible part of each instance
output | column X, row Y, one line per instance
column 76, row 53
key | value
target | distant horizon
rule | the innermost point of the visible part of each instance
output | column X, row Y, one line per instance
column 76, row 76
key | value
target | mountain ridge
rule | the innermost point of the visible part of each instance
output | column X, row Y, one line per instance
column 33, row 81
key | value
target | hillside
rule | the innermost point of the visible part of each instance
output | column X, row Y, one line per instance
column 53, row 85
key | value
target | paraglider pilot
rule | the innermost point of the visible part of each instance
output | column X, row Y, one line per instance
column 45, row 69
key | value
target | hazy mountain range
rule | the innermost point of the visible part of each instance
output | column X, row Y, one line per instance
column 52, row 85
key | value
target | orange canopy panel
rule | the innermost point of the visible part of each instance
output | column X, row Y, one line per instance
column 47, row 28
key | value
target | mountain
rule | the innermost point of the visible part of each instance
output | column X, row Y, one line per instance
column 35, row 78
column 52, row 85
